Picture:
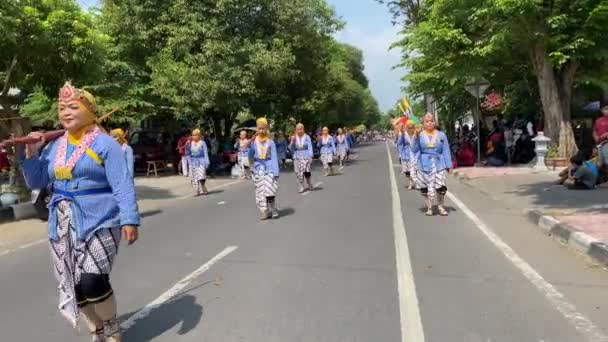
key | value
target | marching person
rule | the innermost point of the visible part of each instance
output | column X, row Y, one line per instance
column 263, row 154
column 242, row 146
column 119, row 135
column 93, row 204
column 198, row 156
column 434, row 163
column 342, row 147
column 328, row 150
column 281, row 144
column 409, row 159
column 181, row 147
column 301, row 147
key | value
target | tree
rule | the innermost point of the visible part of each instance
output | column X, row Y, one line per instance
column 504, row 39
column 46, row 43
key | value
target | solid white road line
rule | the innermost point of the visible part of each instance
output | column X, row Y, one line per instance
column 176, row 289
column 411, row 323
column 583, row 324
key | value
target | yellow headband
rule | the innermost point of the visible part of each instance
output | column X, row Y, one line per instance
column 120, row 135
column 261, row 122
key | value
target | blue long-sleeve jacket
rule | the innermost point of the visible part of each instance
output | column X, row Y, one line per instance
column 439, row 152
column 130, row 159
column 200, row 154
column 404, row 145
column 327, row 147
column 344, row 143
column 304, row 151
column 269, row 164
column 113, row 205
column 243, row 151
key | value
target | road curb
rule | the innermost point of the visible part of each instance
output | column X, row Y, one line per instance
column 574, row 239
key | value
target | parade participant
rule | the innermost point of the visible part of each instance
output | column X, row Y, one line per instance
column 328, row 150
column 242, row 146
column 93, row 201
column 342, row 147
column 181, row 147
column 281, row 144
column 301, row 147
column 263, row 153
column 434, row 163
column 119, row 135
column 198, row 156
column 409, row 159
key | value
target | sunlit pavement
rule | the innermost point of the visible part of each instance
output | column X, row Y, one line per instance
column 356, row 260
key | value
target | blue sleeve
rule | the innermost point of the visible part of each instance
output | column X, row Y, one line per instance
column 319, row 143
column 333, row 146
column 130, row 161
column 205, row 154
column 447, row 154
column 274, row 161
column 36, row 169
column 123, row 187
column 188, row 150
column 416, row 146
column 252, row 151
column 310, row 151
column 236, row 145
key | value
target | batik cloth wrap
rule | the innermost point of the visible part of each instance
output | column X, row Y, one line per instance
column 432, row 180
column 266, row 185
column 341, row 148
column 198, row 168
column 72, row 257
column 301, row 166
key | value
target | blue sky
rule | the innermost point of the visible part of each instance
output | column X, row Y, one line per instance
column 368, row 27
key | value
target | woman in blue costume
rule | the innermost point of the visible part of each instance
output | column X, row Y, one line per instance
column 93, row 206
column 242, row 147
column 434, row 163
column 121, row 138
column 328, row 150
column 342, row 147
column 409, row 159
column 265, row 169
column 301, row 147
column 197, row 153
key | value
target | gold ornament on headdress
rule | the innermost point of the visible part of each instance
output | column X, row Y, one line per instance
column 69, row 93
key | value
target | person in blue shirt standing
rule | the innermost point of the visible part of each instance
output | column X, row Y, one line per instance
column 301, row 147
column 342, row 147
column 281, row 144
column 242, row 147
column 263, row 154
column 93, row 205
column 197, row 153
column 328, row 150
column 120, row 136
column 434, row 163
column 409, row 159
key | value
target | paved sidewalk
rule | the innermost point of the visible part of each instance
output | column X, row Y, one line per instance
column 576, row 218
column 152, row 192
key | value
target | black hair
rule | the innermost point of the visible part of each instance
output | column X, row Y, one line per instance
column 577, row 159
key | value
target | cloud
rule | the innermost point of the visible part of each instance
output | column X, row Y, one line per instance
column 379, row 60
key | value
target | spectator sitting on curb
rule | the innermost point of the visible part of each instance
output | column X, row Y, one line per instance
column 581, row 175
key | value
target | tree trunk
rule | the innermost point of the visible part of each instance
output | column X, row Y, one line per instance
column 228, row 122
column 556, row 96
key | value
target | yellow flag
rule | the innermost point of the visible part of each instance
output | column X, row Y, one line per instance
column 401, row 108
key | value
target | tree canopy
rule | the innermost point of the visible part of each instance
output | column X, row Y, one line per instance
column 533, row 52
column 203, row 61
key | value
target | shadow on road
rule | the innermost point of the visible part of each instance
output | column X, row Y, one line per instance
column 147, row 192
column 150, row 213
column 286, row 212
column 183, row 310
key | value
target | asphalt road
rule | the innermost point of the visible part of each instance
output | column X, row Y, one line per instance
column 337, row 266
